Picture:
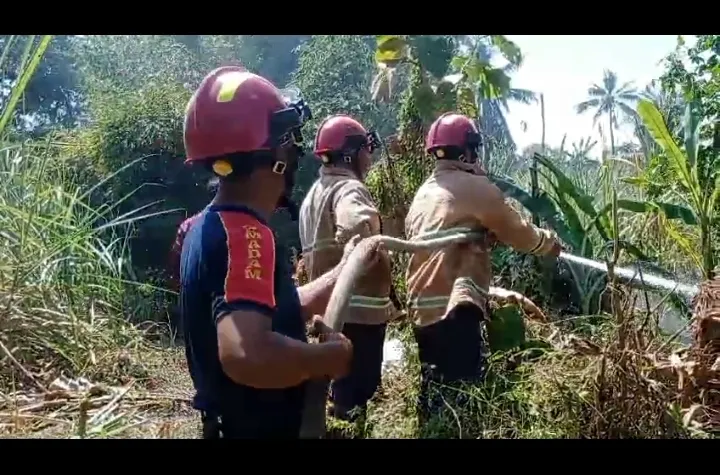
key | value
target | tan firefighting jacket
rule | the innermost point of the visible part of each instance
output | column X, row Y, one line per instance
column 337, row 207
column 453, row 199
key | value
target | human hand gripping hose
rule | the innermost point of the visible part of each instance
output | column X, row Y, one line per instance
column 357, row 263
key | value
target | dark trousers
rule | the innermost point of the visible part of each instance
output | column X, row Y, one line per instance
column 215, row 426
column 351, row 393
column 451, row 352
column 211, row 426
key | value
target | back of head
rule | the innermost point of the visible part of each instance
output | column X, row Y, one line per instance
column 341, row 136
column 225, row 115
column 237, row 122
column 451, row 136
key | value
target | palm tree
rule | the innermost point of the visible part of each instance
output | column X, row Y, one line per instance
column 671, row 107
column 611, row 99
column 580, row 153
column 492, row 111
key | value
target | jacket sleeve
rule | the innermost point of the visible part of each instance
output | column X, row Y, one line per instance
column 355, row 213
column 491, row 209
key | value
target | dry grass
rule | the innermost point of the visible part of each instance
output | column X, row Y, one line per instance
column 154, row 402
column 67, row 298
column 577, row 388
column 66, row 294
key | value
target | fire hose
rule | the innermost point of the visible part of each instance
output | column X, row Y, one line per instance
column 314, row 424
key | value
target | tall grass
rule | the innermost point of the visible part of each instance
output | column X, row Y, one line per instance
column 68, row 301
column 66, row 286
column 63, row 271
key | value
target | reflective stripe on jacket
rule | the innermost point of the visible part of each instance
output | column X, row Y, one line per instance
column 337, row 207
column 455, row 199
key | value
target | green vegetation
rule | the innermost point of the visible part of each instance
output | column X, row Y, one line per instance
column 93, row 189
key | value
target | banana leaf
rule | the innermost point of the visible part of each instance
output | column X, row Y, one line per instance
column 506, row 329
column 391, row 49
column 655, row 124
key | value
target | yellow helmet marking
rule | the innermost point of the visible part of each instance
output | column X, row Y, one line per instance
column 229, row 83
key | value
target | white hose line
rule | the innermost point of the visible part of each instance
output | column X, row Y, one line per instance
column 314, row 424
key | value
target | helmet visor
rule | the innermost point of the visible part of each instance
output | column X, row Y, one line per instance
column 373, row 141
column 370, row 141
column 286, row 124
column 474, row 142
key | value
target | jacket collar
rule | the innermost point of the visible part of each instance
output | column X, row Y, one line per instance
column 461, row 166
column 337, row 171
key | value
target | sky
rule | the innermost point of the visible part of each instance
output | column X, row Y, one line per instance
column 563, row 67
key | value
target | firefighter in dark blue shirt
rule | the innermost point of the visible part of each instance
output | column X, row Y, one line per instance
column 243, row 318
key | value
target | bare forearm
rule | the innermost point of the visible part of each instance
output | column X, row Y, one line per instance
column 314, row 296
column 280, row 362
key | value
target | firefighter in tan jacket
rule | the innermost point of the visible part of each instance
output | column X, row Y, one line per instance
column 337, row 207
column 447, row 289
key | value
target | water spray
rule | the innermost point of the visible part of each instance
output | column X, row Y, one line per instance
column 635, row 278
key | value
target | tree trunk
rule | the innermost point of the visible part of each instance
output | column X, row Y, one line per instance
column 533, row 166
column 548, row 264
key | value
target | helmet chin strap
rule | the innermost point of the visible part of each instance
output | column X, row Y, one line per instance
column 472, row 159
column 346, row 160
column 352, row 162
column 288, row 169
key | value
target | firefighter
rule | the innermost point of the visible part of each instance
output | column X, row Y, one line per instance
column 174, row 265
column 176, row 251
column 447, row 288
column 243, row 317
column 337, row 207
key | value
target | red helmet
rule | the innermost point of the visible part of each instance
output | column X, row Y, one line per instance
column 452, row 130
column 341, row 133
column 235, row 111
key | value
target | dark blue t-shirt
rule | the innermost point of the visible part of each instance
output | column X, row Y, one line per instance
column 230, row 262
